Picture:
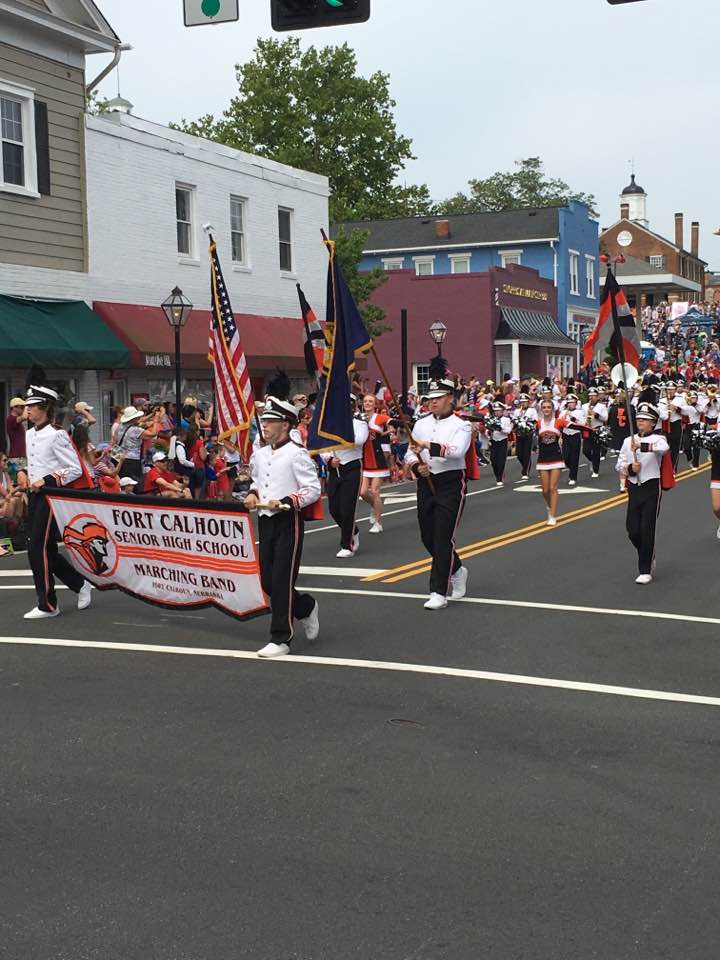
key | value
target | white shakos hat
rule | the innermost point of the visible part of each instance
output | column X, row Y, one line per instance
column 646, row 411
column 41, row 395
column 276, row 409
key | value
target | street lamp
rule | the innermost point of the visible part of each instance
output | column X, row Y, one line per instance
column 177, row 308
column 438, row 332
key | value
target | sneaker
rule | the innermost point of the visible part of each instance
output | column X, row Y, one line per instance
column 377, row 527
column 311, row 623
column 594, row 475
column 458, row 582
column 84, row 596
column 718, row 533
column 436, row 601
column 694, row 469
column 644, row 578
column 274, row 650
column 498, row 483
column 571, row 483
column 355, row 545
column 37, row 614
column 344, row 554
column 524, row 477
column 551, row 521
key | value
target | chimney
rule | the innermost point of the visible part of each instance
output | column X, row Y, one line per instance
column 695, row 238
column 679, row 230
column 442, row 229
column 624, row 211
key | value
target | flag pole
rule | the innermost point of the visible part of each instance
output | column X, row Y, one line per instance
column 621, row 354
column 404, row 419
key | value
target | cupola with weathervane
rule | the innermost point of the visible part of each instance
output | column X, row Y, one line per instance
column 633, row 203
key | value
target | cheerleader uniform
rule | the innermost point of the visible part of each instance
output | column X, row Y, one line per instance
column 549, row 453
column 374, row 450
column 715, row 470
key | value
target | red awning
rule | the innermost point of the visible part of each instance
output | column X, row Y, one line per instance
column 268, row 341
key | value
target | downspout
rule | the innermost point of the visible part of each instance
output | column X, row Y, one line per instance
column 109, row 68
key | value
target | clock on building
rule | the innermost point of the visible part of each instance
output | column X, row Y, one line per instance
column 624, row 238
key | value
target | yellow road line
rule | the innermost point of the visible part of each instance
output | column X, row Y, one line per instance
column 409, row 570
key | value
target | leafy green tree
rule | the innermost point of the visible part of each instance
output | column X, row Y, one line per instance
column 527, row 186
column 96, row 104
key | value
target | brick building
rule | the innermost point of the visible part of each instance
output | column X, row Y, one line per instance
column 656, row 268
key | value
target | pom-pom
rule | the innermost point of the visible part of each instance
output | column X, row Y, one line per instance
column 711, row 441
column 438, row 368
column 36, row 377
column 279, row 386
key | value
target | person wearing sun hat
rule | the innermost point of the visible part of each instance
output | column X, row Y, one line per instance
column 640, row 463
column 284, row 482
column 436, row 456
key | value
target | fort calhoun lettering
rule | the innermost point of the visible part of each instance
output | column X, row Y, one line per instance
column 170, row 553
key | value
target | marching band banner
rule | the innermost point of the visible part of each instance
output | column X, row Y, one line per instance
column 174, row 553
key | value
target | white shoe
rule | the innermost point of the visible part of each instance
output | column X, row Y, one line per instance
column 498, row 483
column 436, row 602
column 274, row 650
column 37, row 614
column 311, row 623
column 643, row 578
column 594, row 476
column 458, row 582
column 377, row 527
column 571, row 483
column 551, row 521
column 84, row 596
column 718, row 533
column 694, row 469
column 524, row 477
column 355, row 545
column 344, row 554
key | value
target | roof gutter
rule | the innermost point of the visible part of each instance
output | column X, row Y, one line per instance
column 109, row 68
column 459, row 246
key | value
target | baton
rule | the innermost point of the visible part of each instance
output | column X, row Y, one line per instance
column 266, row 506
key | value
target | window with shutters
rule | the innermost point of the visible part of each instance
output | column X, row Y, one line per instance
column 18, row 157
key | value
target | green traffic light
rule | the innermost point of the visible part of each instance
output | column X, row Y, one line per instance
column 335, row 3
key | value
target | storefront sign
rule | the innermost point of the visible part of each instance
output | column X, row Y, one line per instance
column 158, row 360
column 173, row 553
column 524, row 292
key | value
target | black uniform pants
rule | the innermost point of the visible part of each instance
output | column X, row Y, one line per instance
column 281, row 542
column 45, row 561
column 498, row 457
column 690, row 449
column 675, row 441
column 523, row 449
column 593, row 451
column 343, row 487
column 438, row 516
column 642, row 513
column 571, row 443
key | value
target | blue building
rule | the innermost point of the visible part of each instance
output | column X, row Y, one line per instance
column 561, row 243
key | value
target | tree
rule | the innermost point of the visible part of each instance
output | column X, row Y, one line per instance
column 525, row 187
column 313, row 110
column 95, row 104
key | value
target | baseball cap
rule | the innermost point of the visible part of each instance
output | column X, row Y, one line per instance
column 17, row 402
column 128, row 482
column 81, row 406
column 159, row 456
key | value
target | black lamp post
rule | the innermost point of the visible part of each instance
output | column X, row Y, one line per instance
column 438, row 332
column 177, row 308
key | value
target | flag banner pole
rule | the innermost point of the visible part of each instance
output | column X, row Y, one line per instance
column 621, row 357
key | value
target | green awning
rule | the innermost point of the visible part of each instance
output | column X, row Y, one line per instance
column 55, row 335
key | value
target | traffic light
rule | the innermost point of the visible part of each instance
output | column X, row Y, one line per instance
column 615, row 2
column 308, row 14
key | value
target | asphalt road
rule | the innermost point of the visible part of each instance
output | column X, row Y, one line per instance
column 554, row 797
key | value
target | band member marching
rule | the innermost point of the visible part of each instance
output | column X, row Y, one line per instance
column 500, row 428
column 53, row 461
column 595, row 416
column 550, row 459
column 344, row 475
column 640, row 461
column 672, row 405
column 524, row 419
column 436, row 457
column 284, row 481
column 572, row 437
column 711, row 442
column 691, row 411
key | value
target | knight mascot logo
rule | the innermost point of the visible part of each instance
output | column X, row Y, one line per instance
column 92, row 544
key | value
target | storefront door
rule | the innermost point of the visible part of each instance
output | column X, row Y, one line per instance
column 113, row 393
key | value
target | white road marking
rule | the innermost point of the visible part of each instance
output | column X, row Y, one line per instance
column 339, row 571
column 26, row 586
column 389, row 666
column 531, row 605
column 536, row 488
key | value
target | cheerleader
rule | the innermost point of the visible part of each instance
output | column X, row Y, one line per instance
column 377, row 459
column 711, row 442
column 524, row 419
column 550, row 459
column 499, row 433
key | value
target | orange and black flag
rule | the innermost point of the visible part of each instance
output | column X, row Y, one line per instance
column 616, row 328
column 313, row 339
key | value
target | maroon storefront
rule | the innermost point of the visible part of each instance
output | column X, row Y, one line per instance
column 502, row 321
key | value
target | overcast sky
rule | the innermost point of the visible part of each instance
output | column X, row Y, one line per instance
column 481, row 83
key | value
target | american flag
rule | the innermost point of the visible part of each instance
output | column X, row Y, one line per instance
column 233, row 389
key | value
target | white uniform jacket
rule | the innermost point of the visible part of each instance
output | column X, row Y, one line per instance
column 652, row 449
column 449, row 437
column 285, row 473
column 52, row 457
column 361, row 431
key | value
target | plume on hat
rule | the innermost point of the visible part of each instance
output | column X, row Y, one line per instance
column 648, row 395
column 438, row 368
column 279, row 386
column 36, row 377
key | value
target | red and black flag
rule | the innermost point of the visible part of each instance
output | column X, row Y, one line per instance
column 616, row 328
column 314, row 338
